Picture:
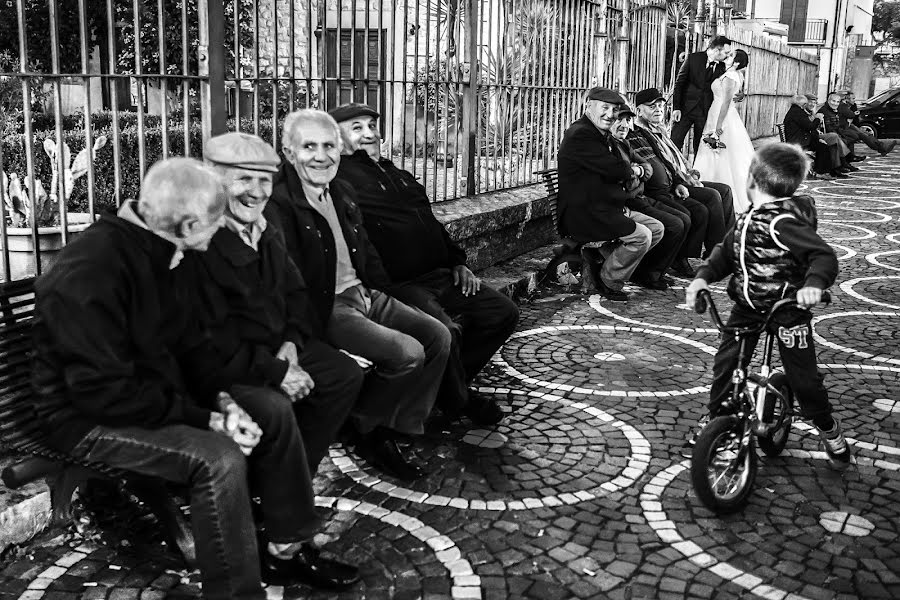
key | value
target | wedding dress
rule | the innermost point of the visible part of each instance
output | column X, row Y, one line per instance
column 729, row 165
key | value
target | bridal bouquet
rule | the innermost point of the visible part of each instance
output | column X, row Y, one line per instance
column 713, row 140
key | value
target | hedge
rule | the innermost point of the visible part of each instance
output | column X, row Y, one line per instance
column 14, row 160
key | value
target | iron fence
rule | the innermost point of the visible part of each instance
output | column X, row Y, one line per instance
column 474, row 95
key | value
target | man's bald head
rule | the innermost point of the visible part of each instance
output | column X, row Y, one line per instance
column 181, row 198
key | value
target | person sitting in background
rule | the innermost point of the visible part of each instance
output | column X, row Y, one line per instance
column 802, row 129
column 593, row 172
column 652, row 269
column 256, row 304
column 433, row 277
column 111, row 335
column 832, row 139
column 838, row 119
column 325, row 237
column 681, row 187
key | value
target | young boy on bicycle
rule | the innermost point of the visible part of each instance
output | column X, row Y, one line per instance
column 774, row 252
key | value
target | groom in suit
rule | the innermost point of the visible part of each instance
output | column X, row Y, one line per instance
column 693, row 95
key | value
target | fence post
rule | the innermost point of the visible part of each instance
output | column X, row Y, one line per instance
column 624, row 41
column 211, row 61
column 777, row 88
column 470, row 95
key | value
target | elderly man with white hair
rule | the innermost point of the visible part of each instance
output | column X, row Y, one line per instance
column 110, row 331
column 802, row 128
column 325, row 236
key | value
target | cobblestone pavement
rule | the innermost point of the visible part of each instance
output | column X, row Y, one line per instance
column 582, row 492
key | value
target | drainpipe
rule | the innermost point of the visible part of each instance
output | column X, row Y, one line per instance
column 834, row 41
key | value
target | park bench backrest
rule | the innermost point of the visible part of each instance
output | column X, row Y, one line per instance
column 780, row 128
column 551, row 181
column 20, row 423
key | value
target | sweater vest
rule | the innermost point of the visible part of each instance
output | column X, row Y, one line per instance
column 765, row 270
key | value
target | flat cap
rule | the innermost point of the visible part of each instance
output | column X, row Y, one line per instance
column 625, row 111
column 345, row 112
column 241, row 151
column 648, row 96
column 605, row 95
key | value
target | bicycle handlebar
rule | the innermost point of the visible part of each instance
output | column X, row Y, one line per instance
column 704, row 300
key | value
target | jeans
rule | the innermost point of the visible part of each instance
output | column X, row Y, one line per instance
column 409, row 349
column 798, row 356
column 338, row 381
column 216, row 473
column 624, row 258
column 479, row 324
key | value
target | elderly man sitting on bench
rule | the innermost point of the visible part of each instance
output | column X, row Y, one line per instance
column 109, row 331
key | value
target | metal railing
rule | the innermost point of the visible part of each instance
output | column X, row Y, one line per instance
column 815, row 33
column 474, row 95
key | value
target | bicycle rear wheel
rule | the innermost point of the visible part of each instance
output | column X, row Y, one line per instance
column 723, row 479
column 773, row 443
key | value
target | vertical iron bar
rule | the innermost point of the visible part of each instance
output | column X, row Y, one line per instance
column 138, row 75
column 624, row 48
column 256, row 73
column 212, row 66
column 236, row 44
column 415, row 77
column 114, row 99
column 88, row 113
column 275, row 75
column 61, row 158
column 292, row 54
column 163, row 78
column 29, row 135
column 186, row 85
column 310, row 39
column 427, row 96
column 470, row 96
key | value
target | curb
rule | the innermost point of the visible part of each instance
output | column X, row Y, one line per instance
column 20, row 522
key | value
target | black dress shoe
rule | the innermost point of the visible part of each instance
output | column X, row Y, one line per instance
column 386, row 455
column 610, row 293
column 650, row 284
column 838, row 174
column 309, row 567
column 855, row 158
column 886, row 147
column 682, row 267
column 483, row 411
column 848, row 168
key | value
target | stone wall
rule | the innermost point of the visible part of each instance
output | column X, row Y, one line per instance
column 276, row 14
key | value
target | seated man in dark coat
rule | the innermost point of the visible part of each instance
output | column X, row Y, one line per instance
column 325, row 237
column 593, row 172
column 427, row 268
column 802, row 129
column 839, row 119
column 110, row 330
column 256, row 304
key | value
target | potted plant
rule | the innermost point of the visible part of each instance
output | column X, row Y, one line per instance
column 22, row 214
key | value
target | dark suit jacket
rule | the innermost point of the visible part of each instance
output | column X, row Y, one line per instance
column 593, row 173
column 693, row 91
column 799, row 129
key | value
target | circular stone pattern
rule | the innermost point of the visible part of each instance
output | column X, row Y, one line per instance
column 854, row 331
column 779, row 546
column 878, row 290
column 844, row 522
column 556, row 452
column 565, row 358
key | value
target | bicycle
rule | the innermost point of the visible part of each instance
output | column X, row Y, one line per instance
column 760, row 408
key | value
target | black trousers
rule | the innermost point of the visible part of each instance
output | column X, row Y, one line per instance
column 676, row 225
column 798, row 357
column 717, row 226
column 695, row 216
column 696, row 120
column 338, row 381
column 479, row 325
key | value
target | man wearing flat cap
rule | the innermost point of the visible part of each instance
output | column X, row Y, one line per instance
column 325, row 236
column 253, row 303
column 593, row 176
column 427, row 268
column 708, row 204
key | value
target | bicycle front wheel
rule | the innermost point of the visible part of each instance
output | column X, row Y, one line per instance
column 723, row 474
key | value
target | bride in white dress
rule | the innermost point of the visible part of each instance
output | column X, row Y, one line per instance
column 729, row 164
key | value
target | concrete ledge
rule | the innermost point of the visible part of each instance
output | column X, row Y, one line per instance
column 498, row 226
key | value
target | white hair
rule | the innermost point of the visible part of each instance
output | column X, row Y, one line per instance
column 308, row 115
column 177, row 189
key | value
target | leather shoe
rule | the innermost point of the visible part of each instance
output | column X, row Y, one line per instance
column 855, row 158
column 309, row 567
column 610, row 293
column 386, row 455
column 849, row 168
column 838, row 174
column 650, row 284
column 682, row 267
column 483, row 411
column 887, row 147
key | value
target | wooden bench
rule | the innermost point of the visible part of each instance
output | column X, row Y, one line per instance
column 22, row 432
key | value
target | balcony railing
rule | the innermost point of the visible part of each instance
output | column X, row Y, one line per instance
column 816, row 30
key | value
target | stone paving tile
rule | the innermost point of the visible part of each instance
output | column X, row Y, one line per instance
column 581, row 492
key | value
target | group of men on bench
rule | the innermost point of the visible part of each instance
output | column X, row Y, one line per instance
column 197, row 336
column 830, row 133
column 627, row 193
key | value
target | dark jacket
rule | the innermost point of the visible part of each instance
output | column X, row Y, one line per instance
column 664, row 177
column 693, row 84
column 310, row 243
column 252, row 302
column 772, row 252
column 109, row 326
column 593, row 174
column 398, row 218
column 848, row 113
column 832, row 119
column 799, row 128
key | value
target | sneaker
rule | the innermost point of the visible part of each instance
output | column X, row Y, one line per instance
column 836, row 446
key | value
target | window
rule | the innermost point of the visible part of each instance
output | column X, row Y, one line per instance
column 361, row 75
column 793, row 14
